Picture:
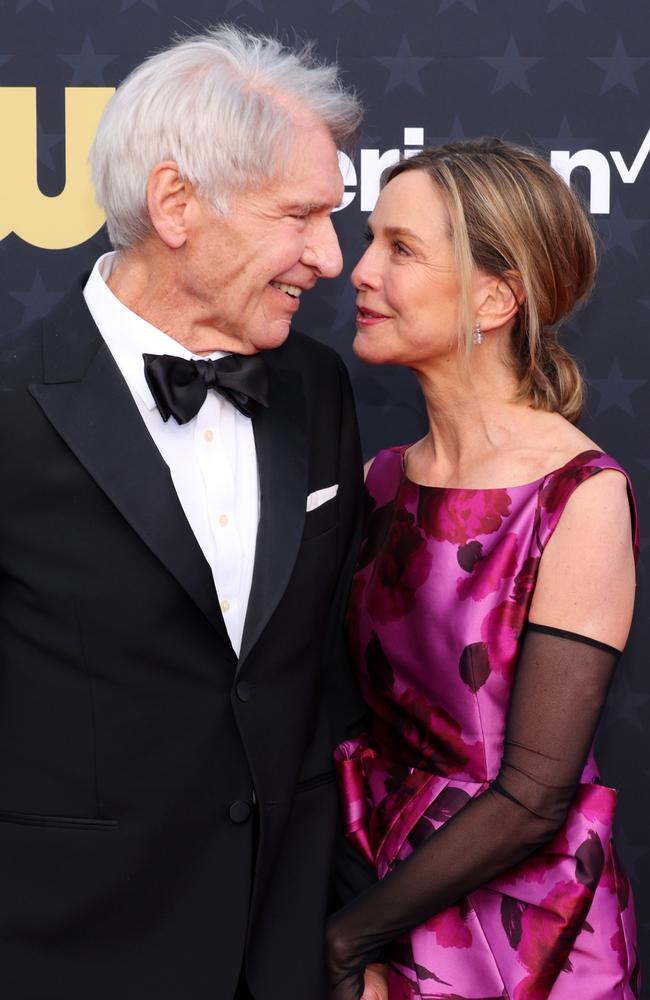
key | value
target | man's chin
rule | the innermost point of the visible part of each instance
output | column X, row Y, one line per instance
column 274, row 336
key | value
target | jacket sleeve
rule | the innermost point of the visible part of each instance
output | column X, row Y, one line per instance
column 347, row 711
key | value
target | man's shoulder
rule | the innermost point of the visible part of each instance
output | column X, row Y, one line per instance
column 305, row 353
column 22, row 348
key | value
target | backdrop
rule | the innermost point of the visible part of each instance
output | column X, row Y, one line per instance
column 571, row 77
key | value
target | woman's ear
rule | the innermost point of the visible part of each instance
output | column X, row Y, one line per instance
column 498, row 298
column 168, row 198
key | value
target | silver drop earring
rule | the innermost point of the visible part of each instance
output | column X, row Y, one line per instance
column 477, row 336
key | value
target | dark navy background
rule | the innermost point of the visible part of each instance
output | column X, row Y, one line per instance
column 557, row 74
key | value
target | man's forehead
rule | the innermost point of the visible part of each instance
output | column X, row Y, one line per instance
column 318, row 190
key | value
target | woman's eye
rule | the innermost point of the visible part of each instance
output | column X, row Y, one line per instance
column 400, row 249
column 368, row 236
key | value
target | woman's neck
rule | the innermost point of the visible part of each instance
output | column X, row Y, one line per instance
column 474, row 417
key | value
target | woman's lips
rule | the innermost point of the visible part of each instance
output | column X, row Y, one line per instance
column 368, row 317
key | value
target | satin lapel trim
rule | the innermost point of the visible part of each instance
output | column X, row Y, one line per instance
column 282, row 461
column 98, row 419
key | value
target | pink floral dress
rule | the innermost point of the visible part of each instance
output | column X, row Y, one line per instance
column 439, row 603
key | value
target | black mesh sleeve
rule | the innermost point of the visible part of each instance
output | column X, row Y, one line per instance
column 558, row 695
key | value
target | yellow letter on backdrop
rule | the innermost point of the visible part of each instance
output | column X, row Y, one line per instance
column 72, row 216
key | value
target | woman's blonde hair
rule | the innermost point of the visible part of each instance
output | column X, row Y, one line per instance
column 512, row 215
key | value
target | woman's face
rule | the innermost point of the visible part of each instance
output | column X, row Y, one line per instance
column 407, row 280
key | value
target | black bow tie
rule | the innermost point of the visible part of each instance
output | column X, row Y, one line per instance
column 179, row 386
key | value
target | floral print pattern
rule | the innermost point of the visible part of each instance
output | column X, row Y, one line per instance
column 439, row 604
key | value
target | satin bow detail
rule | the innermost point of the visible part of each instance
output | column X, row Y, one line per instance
column 179, row 385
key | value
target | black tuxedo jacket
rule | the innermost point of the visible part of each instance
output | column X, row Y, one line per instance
column 134, row 864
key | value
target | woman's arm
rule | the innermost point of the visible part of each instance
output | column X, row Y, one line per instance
column 585, row 588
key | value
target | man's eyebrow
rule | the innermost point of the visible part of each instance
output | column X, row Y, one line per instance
column 307, row 207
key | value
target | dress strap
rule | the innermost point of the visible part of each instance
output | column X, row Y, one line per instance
column 385, row 474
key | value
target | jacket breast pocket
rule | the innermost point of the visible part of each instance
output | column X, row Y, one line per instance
column 321, row 519
column 317, row 781
column 57, row 822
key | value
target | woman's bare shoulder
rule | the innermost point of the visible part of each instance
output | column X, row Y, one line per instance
column 548, row 443
column 586, row 575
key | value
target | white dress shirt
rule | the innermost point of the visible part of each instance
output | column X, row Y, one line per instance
column 211, row 459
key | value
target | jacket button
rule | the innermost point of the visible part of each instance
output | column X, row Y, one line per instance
column 239, row 811
column 244, row 690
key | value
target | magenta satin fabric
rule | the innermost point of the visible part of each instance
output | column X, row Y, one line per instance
column 439, row 602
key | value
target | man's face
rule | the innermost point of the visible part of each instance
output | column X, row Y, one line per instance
column 245, row 271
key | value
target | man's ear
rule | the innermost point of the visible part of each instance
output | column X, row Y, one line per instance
column 499, row 298
column 168, row 198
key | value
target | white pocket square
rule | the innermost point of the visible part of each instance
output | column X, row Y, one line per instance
column 319, row 497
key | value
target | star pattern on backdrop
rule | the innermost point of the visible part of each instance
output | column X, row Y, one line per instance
column 370, row 391
column 369, row 139
column 363, row 4
column 87, row 65
column 153, row 4
column 28, row 3
column 45, row 143
column 620, row 68
column 511, row 67
column 446, row 4
column 344, row 304
column 554, row 4
column 645, row 462
column 404, row 67
column 629, row 853
column 37, row 301
column 565, row 139
column 615, row 390
column 617, row 229
column 257, row 4
column 625, row 704
column 577, row 322
column 455, row 133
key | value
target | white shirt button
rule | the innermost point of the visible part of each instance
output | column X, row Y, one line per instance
column 225, row 605
column 223, row 520
column 208, row 436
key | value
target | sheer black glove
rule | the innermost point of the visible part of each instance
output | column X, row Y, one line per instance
column 558, row 695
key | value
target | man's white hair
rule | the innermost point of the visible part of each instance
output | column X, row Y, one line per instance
column 222, row 106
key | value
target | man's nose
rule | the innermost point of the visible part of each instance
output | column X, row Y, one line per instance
column 323, row 252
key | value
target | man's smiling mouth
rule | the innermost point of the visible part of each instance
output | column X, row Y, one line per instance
column 291, row 290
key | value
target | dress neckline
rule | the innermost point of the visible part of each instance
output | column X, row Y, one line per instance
column 402, row 449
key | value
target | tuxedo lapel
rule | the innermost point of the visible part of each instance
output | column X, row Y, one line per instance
column 281, row 445
column 87, row 401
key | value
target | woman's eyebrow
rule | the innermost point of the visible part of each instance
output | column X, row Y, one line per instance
column 403, row 232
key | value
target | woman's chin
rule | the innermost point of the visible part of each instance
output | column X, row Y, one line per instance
column 369, row 349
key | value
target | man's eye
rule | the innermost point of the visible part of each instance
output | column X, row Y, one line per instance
column 400, row 249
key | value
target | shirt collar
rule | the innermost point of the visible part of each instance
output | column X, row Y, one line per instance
column 127, row 335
